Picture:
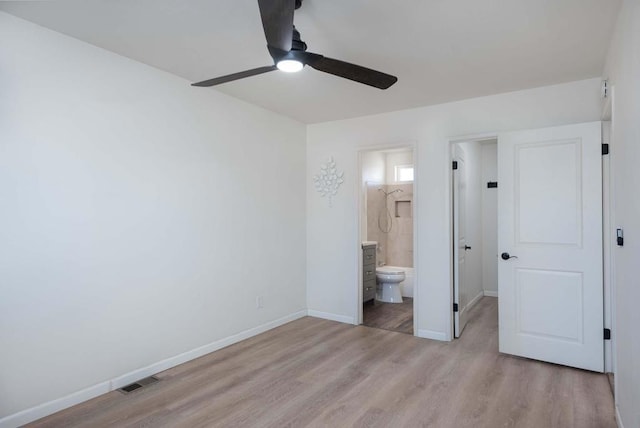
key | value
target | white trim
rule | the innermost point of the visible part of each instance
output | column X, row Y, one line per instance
column 331, row 317
column 618, row 418
column 53, row 406
column 607, row 254
column 456, row 176
column 434, row 335
column 473, row 137
column 611, row 255
column 135, row 375
column 45, row 409
column 490, row 293
column 475, row 300
column 416, row 241
column 360, row 204
column 471, row 304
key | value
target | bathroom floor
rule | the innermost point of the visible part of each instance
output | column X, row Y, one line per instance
column 389, row 316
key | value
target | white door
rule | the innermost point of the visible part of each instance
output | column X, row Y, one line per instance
column 460, row 297
column 550, row 223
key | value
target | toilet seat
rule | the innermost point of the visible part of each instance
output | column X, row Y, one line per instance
column 389, row 271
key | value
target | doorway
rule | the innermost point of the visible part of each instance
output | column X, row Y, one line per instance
column 474, row 209
column 550, row 252
column 387, row 235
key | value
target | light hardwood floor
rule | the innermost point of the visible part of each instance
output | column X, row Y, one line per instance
column 321, row 373
column 389, row 316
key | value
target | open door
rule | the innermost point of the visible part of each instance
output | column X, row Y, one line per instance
column 460, row 298
column 550, row 236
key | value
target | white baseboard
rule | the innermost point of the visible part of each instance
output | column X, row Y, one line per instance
column 431, row 334
column 331, row 317
column 45, row 409
column 490, row 293
column 51, row 407
column 135, row 375
column 618, row 418
column 475, row 300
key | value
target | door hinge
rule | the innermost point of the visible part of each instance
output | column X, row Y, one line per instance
column 455, row 164
column 607, row 334
column 605, row 149
column 492, row 185
column 455, row 307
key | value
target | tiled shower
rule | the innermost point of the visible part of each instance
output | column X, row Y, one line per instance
column 390, row 222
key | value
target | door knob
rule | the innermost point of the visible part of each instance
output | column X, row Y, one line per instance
column 506, row 256
column 466, row 247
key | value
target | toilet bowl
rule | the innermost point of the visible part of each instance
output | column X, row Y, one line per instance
column 389, row 280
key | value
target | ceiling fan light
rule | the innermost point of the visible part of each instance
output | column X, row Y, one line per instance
column 290, row 65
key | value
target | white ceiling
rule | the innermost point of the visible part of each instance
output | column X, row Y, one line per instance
column 441, row 50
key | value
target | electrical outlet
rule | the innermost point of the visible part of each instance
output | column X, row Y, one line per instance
column 259, row 302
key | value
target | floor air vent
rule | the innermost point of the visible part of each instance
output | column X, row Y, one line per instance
column 139, row 384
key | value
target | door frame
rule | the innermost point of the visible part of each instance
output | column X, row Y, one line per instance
column 457, row 155
column 607, row 220
column 452, row 244
column 360, row 195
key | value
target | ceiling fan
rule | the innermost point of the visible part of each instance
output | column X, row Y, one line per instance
column 290, row 54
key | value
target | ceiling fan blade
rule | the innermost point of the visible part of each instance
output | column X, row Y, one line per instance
column 235, row 76
column 277, row 21
column 354, row 72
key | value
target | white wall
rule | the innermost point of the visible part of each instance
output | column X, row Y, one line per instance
column 489, row 219
column 472, row 155
column 332, row 233
column 623, row 71
column 139, row 218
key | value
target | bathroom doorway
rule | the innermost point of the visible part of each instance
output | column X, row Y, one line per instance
column 387, row 235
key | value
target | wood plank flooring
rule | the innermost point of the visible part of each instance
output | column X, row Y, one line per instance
column 318, row 373
column 389, row 316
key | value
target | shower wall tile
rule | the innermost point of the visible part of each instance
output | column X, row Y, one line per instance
column 395, row 248
column 400, row 238
column 375, row 207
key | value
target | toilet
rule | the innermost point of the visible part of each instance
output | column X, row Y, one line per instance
column 389, row 280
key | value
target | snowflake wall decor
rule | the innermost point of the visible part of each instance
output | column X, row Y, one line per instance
column 329, row 180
